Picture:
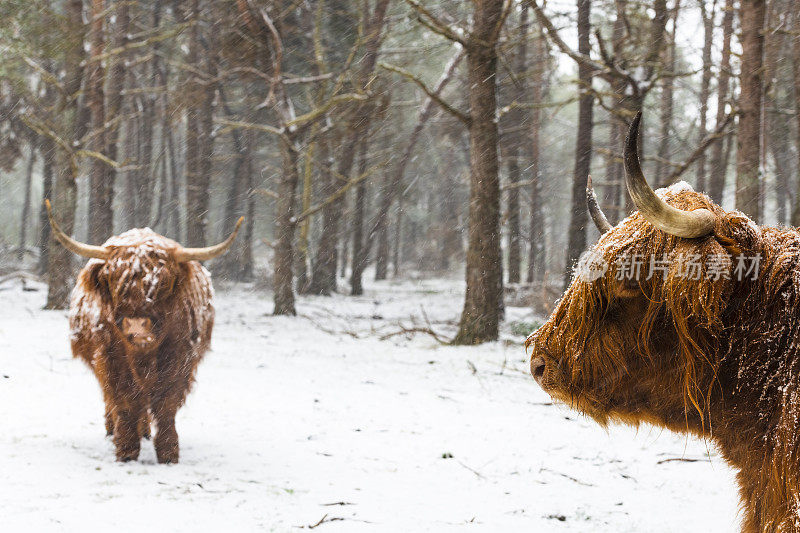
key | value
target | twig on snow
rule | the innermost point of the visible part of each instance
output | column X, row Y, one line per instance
column 323, row 520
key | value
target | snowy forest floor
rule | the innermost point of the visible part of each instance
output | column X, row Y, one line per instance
column 317, row 421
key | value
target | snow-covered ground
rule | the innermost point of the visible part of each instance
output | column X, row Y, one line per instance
column 317, row 421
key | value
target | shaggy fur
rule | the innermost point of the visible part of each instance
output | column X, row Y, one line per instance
column 717, row 358
column 142, row 321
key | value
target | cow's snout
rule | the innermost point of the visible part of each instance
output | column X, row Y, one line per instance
column 537, row 369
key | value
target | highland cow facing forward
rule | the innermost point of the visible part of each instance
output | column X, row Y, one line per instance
column 141, row 318
column 703, row 339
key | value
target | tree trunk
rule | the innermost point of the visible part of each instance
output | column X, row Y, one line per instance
column 398, row 238
column 796, row 73
column 448, row 215
column 481, row 315
column 583, row 145
column 536, row 250
column 778, row 124
column 101, row 188
column 719, row 162
column 748, row 150
column 59, row 268
column 116, row 83
column 25, row 217
column 668, row 106
column 515, row 120
column 514, row 175
column 174, row 212
column 359, row 212
column 197, row 145
column 47, row 149
column 323, row 273
column 705, row 84
column 283, row 291
column 305, row 226
column 131, row 145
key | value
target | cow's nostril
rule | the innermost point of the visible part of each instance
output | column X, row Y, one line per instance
column 537, row 368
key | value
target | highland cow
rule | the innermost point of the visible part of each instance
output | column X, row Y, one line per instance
column 714, row 354
column 141, row 318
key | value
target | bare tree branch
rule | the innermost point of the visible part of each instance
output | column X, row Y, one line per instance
column 430, row 21
column 338, row 194
column 701, row 148
column 432, row 94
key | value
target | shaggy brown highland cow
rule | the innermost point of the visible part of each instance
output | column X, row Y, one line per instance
column 715, row 355
column 141, row 318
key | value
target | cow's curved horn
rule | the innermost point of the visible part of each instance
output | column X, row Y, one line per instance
column 600, row 220
column 659, row 213
column 76, row 247
column 209, row 252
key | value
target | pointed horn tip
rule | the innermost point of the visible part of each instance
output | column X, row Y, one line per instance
column 589, row 183
column 633, row 130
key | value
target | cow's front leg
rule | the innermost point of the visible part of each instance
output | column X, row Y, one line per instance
column 166, row 439
column 126, row 431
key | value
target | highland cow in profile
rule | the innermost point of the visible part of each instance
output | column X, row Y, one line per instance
column 141, row 318
column 703, row 339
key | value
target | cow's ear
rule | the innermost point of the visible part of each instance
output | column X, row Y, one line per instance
column 96, row 271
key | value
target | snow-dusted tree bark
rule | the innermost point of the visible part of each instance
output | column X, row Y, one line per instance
column 47, row 150
column 25, row 216
column 719, row 159
column 748, row 149
column 199, row 122
column 513, row 140
column 360, row 249
column 65, row 171
column 705, row 84
column 482, row 304
column 583, row 144
column 778, row 130
column 668, row 104
column 795, row 220
column 101, row 186
column 536, row 229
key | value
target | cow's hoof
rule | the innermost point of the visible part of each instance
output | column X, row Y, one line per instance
column 167, row 459
column 124, row 456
